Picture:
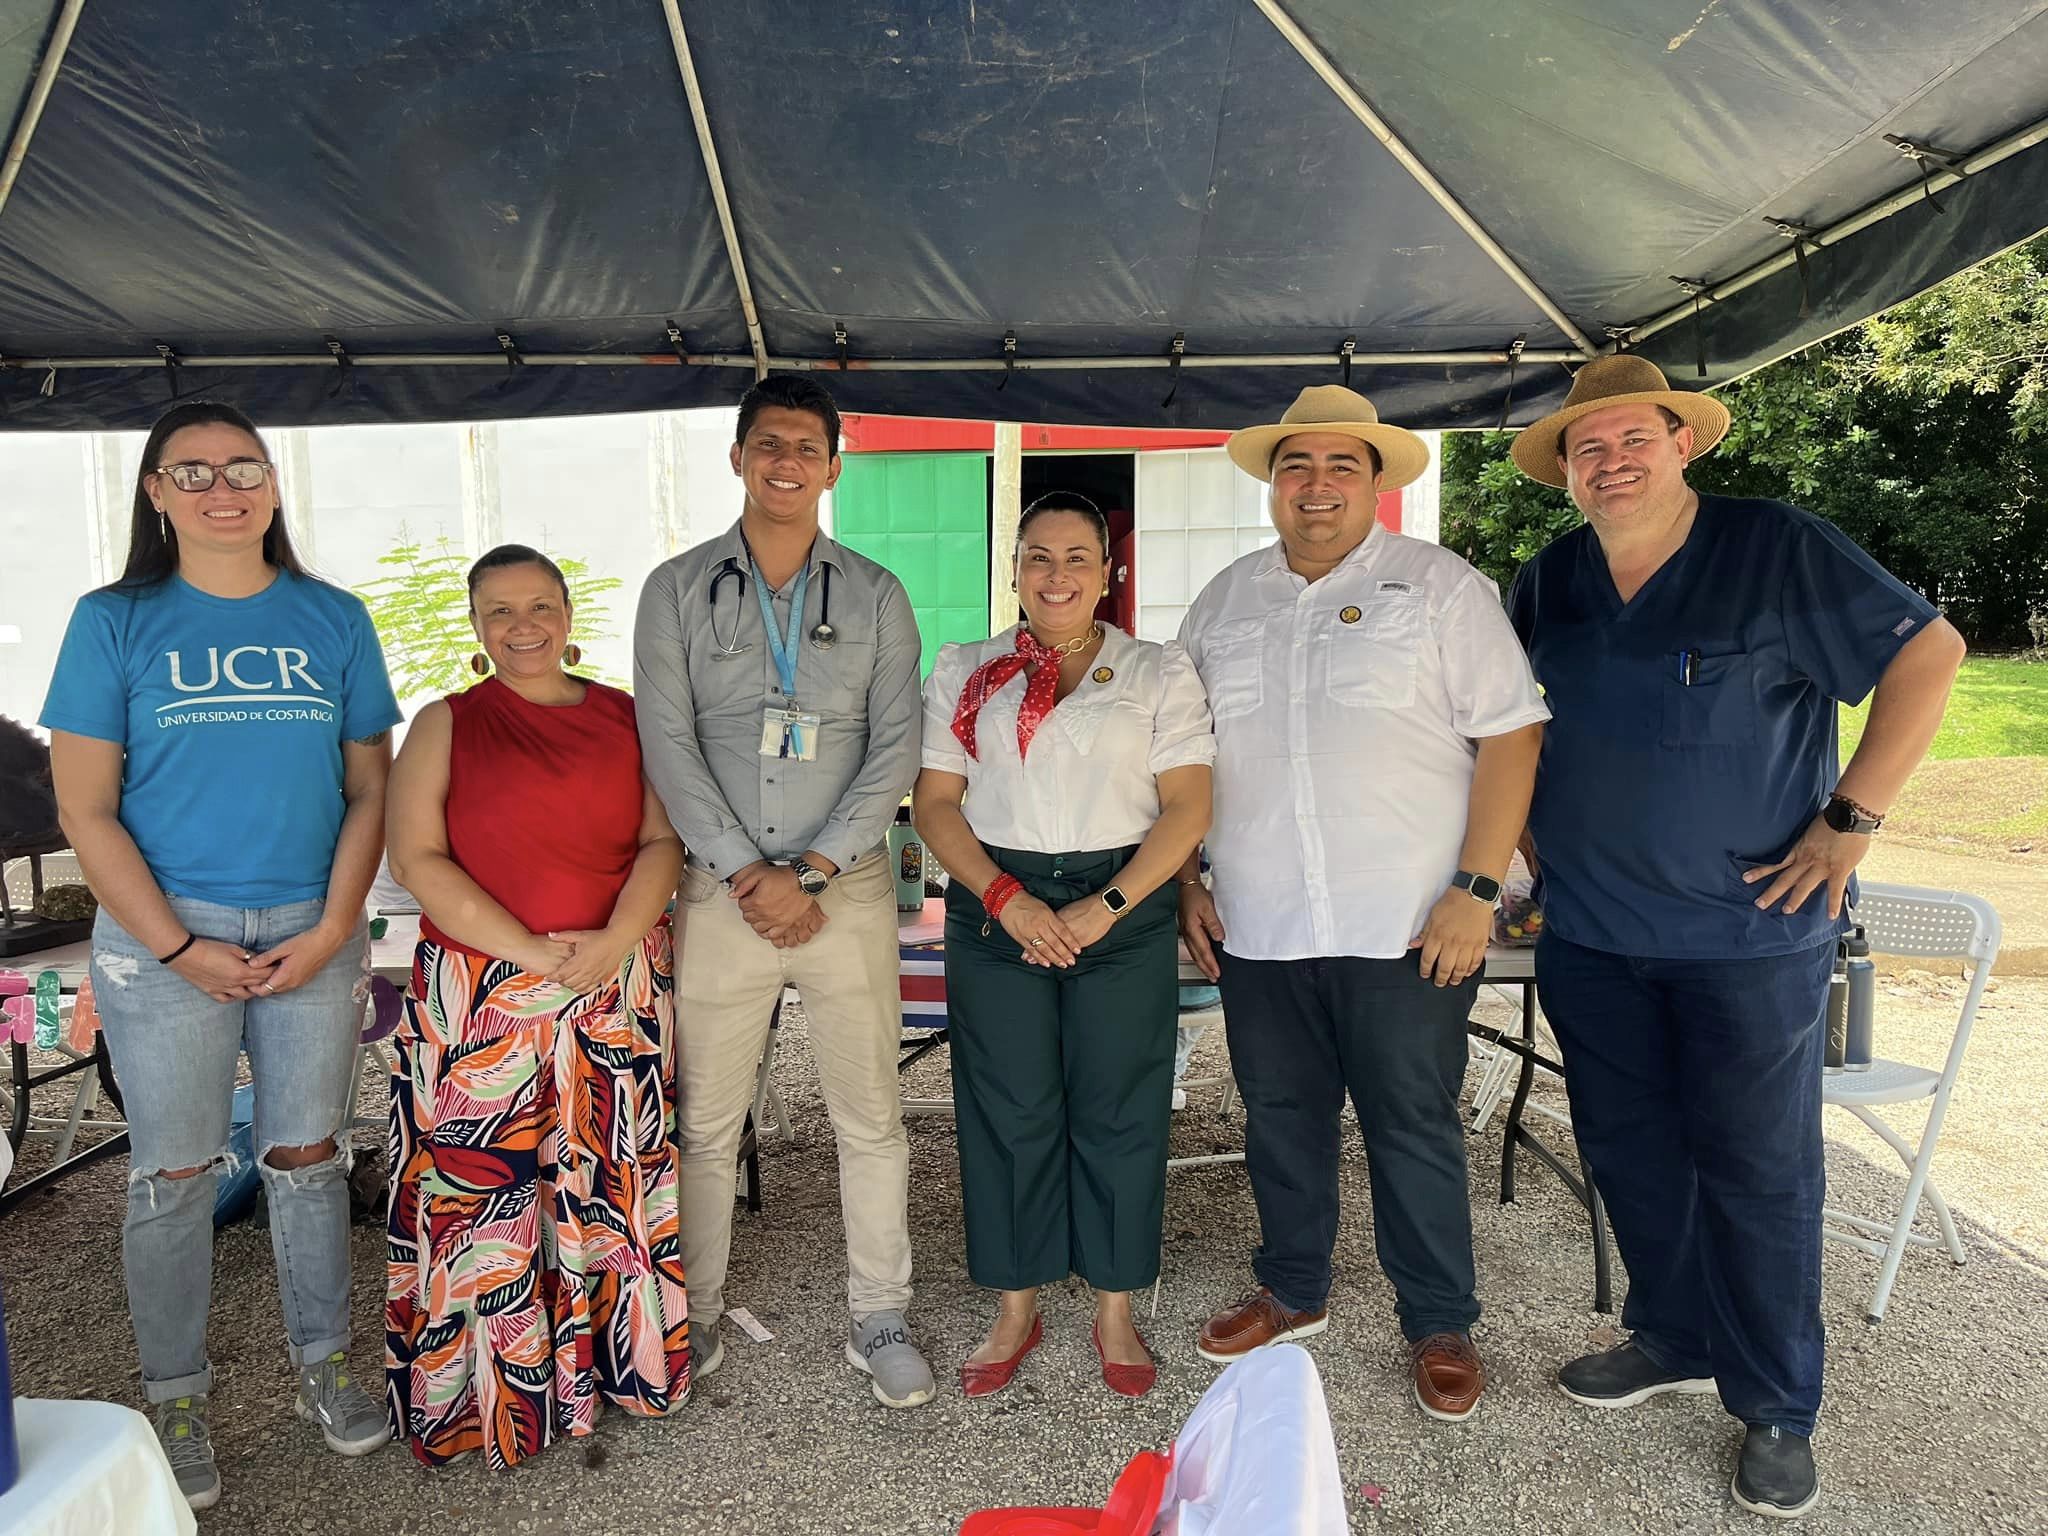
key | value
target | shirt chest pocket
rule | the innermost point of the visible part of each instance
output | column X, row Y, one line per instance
column 1234, row 667
column 1373, row 652
column 1717, row 708
column 835, row 681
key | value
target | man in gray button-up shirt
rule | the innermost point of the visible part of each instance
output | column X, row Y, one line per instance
column 783, row 788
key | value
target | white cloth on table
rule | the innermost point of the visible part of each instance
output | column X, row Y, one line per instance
column 1090, row 779
column 1348, row 712
column 1257, row 1455
column 88, row 1469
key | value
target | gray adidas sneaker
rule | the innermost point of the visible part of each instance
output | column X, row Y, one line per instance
column 879, row 1344
column 188, row 1445
column 349, row 1421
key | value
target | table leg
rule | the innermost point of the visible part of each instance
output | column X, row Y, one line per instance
column 1512, row 1134
column 18, row 1086
column 1603, row 1270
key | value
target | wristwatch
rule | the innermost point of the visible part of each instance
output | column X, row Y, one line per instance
column 1114, row 899
column 809, row 877
column 1480, row 887
column 1845, row 815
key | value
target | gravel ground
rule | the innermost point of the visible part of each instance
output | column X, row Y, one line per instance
column 1934, row 1422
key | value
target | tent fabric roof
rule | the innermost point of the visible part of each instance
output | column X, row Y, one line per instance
column 412, row 178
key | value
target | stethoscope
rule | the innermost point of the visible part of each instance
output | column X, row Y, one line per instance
column 823, row 636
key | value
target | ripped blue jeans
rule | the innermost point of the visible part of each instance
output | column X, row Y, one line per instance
column 175, row 1052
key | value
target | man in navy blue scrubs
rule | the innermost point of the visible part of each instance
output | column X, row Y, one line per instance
column 1696, row 840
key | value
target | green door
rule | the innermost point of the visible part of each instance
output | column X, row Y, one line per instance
column 925, row 517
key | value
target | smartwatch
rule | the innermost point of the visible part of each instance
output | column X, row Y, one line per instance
column 1845, row 815
column 1481, row 887
column 811, row 879
column 1114, row 899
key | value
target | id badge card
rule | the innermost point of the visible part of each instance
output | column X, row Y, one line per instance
column 789, row 733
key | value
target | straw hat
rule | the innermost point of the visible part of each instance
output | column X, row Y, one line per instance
column 1332, row 408
column 1622, row 379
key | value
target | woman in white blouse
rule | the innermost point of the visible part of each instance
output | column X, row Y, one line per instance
column 1066, row 778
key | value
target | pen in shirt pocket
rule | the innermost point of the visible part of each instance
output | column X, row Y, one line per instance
column 1688, row 666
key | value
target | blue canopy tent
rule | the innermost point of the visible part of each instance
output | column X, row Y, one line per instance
column 1154, row 215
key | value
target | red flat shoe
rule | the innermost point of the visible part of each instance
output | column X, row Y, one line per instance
column 1130, row 1380
column 981, row 1380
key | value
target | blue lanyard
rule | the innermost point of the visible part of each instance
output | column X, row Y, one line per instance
column 783, row 650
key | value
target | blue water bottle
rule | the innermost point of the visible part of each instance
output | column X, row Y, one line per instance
column 10, row 1449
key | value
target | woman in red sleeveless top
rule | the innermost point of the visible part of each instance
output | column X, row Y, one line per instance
column 534, row 1264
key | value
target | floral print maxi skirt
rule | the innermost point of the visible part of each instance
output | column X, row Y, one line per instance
column 534, row 1261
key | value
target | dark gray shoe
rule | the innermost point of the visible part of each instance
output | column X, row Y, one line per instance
column 188, row 1445
column 707, row 1350
column 1621, row 1378
column 1775, row 1475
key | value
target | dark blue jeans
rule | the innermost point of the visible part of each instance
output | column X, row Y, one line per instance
column 1695, row 1089
column 1302, row 1032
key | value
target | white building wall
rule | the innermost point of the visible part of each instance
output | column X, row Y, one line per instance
column 620, row 493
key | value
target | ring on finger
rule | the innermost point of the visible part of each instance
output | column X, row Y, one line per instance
column 1035, row 943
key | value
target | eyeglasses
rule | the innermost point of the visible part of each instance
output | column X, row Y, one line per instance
column 241, row 474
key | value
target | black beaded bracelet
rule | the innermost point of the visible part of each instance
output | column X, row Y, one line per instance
column 190, row 940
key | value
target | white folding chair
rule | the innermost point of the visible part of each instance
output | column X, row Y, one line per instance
column 1933, row 925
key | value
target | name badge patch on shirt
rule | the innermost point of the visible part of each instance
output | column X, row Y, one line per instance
column 789, row 733
column 1402, row 588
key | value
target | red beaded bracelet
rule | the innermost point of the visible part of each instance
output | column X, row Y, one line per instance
column 1001, row 891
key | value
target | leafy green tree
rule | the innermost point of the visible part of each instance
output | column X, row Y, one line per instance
column 421, row 612
column 1489, row 512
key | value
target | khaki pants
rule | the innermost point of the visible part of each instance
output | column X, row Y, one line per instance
column 727, row 980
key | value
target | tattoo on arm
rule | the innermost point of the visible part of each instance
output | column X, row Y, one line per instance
column 376, row 740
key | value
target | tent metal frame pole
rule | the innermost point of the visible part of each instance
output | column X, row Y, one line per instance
column 1876, row 213
column 38, row 98
column 1392, row 142
column 716, row 176
column 1500, row 359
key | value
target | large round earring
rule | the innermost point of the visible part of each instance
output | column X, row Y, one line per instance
column 480, row 664
column 572, row 656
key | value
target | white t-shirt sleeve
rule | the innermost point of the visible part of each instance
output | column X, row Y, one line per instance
column 1182, row 732
column 1486, row 673
column 942, row 749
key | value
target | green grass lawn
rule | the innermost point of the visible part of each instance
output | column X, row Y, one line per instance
column 1985, row 784
column 1999, row 709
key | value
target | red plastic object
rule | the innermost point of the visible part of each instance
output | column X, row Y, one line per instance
column 1133, row 1506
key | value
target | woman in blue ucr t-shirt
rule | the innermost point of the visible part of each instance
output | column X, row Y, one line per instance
column 219, row 727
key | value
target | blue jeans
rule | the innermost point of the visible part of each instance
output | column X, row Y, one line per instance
column 174, row 1051
column 1304, row 1032
column 1695, row 1089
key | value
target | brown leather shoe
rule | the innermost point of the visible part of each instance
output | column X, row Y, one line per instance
column 1253, row 1322
column 1448, row 1375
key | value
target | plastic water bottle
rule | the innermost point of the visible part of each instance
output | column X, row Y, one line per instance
column 10, row 1448
column 1838, row 1013
column 49, row 990
column 1862, row 988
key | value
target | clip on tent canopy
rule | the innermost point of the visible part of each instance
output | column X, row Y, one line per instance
column 371, row 210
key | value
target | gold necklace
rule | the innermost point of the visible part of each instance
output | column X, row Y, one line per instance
column 1068, row 648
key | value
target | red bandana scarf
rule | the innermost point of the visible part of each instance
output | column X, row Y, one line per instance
column 1040, row 693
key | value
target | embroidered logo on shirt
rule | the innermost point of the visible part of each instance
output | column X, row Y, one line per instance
column 1350, row 615
column 1903, row 625
column 1103, row 674
column 1407, row 587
